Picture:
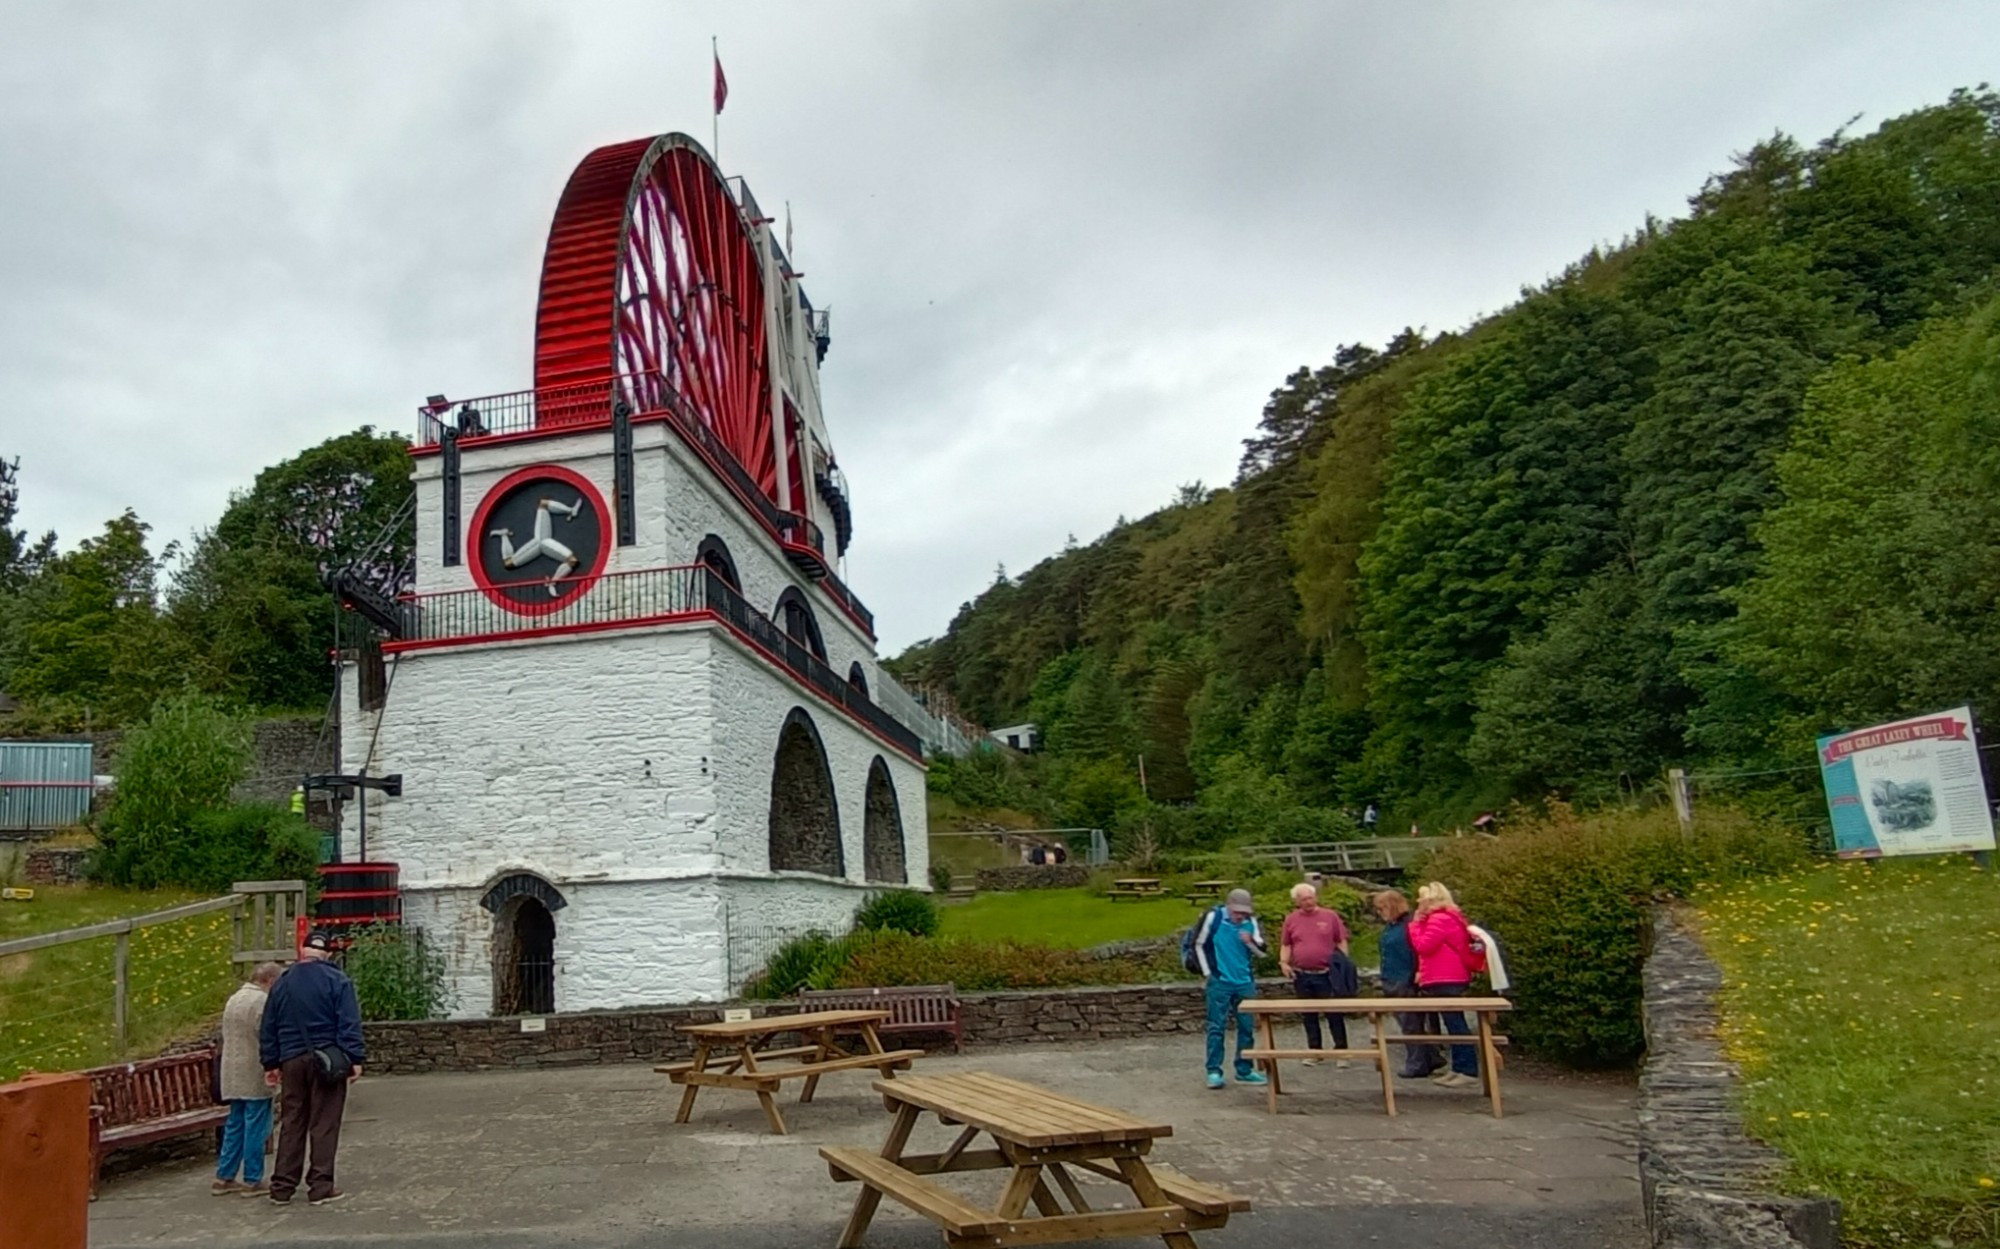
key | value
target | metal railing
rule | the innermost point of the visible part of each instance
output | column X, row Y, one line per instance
column 644, row 596
column 523, row 411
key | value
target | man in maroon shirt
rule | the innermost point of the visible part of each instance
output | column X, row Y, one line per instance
column 1313, row 955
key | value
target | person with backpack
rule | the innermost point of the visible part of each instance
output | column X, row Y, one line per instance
column 311, row 1049
column 1223, row 949
column 1446, row 963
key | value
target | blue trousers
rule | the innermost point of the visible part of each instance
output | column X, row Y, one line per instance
column 1223, row 999
column 243, row 1136
column 1464, row 1058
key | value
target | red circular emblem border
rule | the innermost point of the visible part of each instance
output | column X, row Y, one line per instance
column 580, row 584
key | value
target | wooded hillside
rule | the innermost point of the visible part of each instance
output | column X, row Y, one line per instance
column 1695, row 500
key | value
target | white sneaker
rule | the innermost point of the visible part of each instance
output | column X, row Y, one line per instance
column 1341, row 1064
column 1441, row 1075
column 1312, row 1062
column 1458, row 1080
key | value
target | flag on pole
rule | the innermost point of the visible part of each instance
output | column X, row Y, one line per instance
column 721, row 83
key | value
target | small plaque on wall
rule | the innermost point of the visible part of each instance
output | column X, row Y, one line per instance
column 736, row 1014
column 534, row 1025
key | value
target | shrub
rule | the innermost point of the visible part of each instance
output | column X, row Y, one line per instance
column 396, row 973
column 1567, row 896
column 940, row 877
column 887, row 957
column 180, row 763
column 901, row 910
column 794, row 965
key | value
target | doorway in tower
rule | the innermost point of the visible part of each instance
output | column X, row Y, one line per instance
column 882, row 830
column 524, row 944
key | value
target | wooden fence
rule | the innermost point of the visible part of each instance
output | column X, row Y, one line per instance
column 1350, row 858
column 254, row 942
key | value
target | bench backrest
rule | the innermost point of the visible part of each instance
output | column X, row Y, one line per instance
column 153, row 1089
column 907, row 1004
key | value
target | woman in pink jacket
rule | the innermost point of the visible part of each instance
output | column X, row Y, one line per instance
column 1444, row 969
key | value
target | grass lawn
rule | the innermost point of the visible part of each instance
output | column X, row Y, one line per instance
column 55, row 1004
column 1859, row 1003
column 1082, row 918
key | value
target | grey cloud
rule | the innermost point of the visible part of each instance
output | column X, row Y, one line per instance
column 1069, row 247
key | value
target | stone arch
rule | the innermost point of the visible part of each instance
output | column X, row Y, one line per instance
column 805, row 816
column 524, row 944
column 713, row 553
column 857, row 678
column 795, row 617
column 882, row 828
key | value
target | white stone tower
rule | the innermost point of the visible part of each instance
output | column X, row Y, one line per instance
column 630, row 697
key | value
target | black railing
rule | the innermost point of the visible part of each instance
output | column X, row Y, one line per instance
column 523, row 411
column 845, row 597
column 639, row 597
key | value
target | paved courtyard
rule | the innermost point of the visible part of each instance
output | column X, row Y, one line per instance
column 590, row 1157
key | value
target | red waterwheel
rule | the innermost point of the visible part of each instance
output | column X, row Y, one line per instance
column 651, row 275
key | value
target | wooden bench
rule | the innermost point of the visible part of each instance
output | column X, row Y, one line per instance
column 912, row 1008
column 1040, row 1134
column 1136, row 887
column 158, row 1099
column 1268, row 1053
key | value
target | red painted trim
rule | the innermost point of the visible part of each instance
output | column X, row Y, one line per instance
column 522, row 634
column 578, row 586
column 702, row 615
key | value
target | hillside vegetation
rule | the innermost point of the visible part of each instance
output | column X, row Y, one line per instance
column 1699, row 497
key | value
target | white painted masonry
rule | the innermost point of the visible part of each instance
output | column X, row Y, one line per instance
column 630, row 769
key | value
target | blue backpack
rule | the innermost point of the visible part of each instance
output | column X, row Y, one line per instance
column 1188, row 942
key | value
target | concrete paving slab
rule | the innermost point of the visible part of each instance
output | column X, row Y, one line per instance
column 590, row 1157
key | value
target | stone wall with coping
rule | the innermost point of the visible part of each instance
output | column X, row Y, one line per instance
column 1014, row 1018
column 1706, row 1183
column 1047, row 876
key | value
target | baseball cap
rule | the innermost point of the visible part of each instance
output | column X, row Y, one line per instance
column 318, row 940
column 1239, row 901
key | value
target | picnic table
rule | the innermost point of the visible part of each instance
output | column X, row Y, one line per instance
column 1038, row 1136
column 1136, row 887
column 1378, row 1009
column 1207, row 891
column 734, row 1047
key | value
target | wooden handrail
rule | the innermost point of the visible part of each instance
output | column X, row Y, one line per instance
column 117, row 927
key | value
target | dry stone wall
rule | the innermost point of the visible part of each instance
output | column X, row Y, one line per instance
column 1707, row 1184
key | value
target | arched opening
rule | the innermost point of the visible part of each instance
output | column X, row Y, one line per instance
column 713, row 554
column 795, row 617
column 524, row 944
column 524, row 958
column 882, row 828
column 805, row 818
column 857, row 678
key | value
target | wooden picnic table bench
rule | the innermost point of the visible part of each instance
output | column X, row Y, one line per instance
column 157, row 1099
column 739, row 1064
column 1136, row 887
column 1378, row 1009
column 1038, row 1136
column 1207, row 891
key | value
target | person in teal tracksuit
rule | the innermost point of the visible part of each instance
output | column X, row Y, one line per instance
column 1226, row 946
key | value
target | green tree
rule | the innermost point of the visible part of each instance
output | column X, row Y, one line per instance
column 254, row 592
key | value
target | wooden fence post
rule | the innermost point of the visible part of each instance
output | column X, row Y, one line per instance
column 121, row 961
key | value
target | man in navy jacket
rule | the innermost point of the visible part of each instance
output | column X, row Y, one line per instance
column 312, row 1021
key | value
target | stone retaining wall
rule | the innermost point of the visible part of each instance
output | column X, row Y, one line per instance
column 1706, row 1183
column 1015, row 1018
column 52, row 866
column 1051, row 876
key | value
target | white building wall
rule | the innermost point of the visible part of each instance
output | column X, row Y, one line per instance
column 632, row 771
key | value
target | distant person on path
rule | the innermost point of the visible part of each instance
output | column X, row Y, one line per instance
column 1445, row 964
column 311, row 1050
column 1369, row 817
column 1399, row 979
column 1226, row 945
column 1312, row 952
column 243, row 1087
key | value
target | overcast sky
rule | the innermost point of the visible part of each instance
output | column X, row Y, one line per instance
column 1069, row 247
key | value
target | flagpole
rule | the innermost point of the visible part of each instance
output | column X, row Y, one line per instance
column 715, row 116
